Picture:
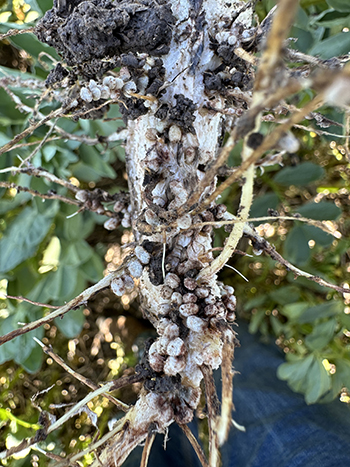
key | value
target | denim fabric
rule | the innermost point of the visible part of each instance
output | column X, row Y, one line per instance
column 281, row 430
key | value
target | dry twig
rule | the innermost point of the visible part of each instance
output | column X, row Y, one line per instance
column 224, row 421
column 147, row 447
column 319, row 224
column 260, row 243
column 268, row 143
column 15, row 32
column 196, row 446
column 28, row 131
column 48, row 350
column 60, row 312
column 22, row 299
column 213, row 411
column 49, row 195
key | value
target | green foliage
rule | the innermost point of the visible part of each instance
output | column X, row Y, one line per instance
column 44, row 254
column 263, row 203
column 23, row 349
column 309, row 322
column 308, row 376
column 319, row 28
column 325, row 48
column 316, row 313
column 324, row 210
column 71, row 325
column 302, row 174
column 340, row 5
column 22, row 238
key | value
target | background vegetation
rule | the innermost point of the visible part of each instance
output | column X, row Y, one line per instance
column 48, row 256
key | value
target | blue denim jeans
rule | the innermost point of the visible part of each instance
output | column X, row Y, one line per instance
column 281, row 430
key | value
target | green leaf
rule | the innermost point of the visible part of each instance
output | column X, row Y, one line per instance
column 77, row 227
column 294, row 310
column 296, row 248
column 92, row 270
column 256, row 320
column 26, row 343
column 49, row 151
column 5, row 416
column 324, row 310
column 44, row 5
column 39, row 291
column 340, row 5
column 4, row 139
column 62, row 283
column 318, row 382
column 277, row 326
column 77, row 253
column 345, row 320
column 295, row 373
column 83, row 251
column 285, row 295
column 73, row 227
column 9, row 349
column 301, row 19
column 33, row 363
column 64, row 157
column 325, row 210
column 29, row 42
column 306, row 375
column 302, row 174
column 255, row 302
column 9, row 204
column 24, row 281
column 33, row 46
column 339, row 44
column 71, row 324
column 91, row 157
column 304, row 39
column 85, row 173
column 343, row 371
column 315, row 19
column 47, row 207
column 319, row 236
column 334, row 20
column 8, row 114
column 261, row 205
column 339, row 379
column 305, row 283
column 22, row 238
column 321, row 335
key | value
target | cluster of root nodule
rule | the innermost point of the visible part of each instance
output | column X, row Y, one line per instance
column 191, row 318
column 139, row 76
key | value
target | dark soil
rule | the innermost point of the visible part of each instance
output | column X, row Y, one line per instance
column 82, row 31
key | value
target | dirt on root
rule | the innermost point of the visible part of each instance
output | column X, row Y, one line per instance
column 83, row 31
